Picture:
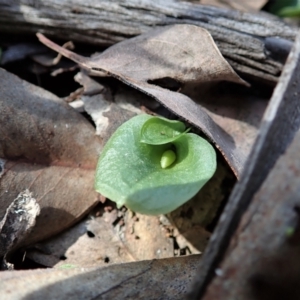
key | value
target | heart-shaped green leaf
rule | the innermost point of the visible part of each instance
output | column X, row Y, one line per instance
column 130, row 173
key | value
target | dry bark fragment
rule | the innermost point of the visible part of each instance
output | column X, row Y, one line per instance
column 262, row 261
column 279, row 125
column 254, row 44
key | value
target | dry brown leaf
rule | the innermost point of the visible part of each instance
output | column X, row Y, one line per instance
column 238, row 111
column 112, row 237
column 157, row 279
column 183, row 53
column 89, row 243
column 145, row 238
column 49, row 149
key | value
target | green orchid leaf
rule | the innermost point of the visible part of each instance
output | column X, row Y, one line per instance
column 158, row 131
column 130, row 172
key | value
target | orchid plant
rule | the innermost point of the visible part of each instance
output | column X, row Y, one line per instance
column 153, row 165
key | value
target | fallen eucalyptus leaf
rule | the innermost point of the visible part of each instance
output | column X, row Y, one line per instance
column 109, row 237
column 93, row 242
column 156, row 279
column 145, row 238
column 238, row 110
column 184, row 53
column 49, row 149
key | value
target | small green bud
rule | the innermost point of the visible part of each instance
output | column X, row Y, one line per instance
column 167, row 158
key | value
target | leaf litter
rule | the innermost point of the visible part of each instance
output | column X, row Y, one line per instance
column 118, row 235
column 128, row 238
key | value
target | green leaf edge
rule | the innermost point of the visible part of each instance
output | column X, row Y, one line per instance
column 177, row 126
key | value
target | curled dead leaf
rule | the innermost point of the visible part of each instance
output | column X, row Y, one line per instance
column 180, row 53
